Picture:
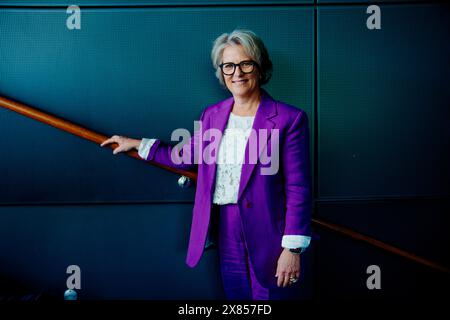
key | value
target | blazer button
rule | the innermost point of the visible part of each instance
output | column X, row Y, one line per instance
column 248, row 205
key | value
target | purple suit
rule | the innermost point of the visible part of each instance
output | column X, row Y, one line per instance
column 270, row 206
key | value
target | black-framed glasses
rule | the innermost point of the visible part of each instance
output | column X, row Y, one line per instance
column 246, row 66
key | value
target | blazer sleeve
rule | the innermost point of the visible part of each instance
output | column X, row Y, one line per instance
column 176, row 156
column 297, row 177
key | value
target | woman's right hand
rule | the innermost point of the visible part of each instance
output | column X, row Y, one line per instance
column 125, row 143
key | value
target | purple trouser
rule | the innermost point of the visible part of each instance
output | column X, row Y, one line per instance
column 238, row 277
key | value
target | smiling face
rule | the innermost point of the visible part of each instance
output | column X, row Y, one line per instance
column 240, row 84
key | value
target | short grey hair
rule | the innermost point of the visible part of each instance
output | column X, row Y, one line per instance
column 253, row 47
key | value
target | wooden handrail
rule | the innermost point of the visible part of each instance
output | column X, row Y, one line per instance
column 379, row 244
column 77, row 130
column 99, row 138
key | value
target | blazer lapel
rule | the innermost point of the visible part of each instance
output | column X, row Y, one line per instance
column 266, row 110
column 218, row 120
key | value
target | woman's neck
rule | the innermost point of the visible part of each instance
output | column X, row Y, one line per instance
column 246, row 105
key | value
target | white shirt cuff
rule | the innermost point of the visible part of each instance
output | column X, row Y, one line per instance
column 294, row 241
column 144, row 147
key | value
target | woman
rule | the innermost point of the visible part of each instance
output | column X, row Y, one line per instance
column 263, row 219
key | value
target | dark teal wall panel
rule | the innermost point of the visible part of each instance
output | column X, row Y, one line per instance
column 150, row 2
column 341, row 265
column 383, row 102
column 414, row 225
column 135, row 72
column 124, row 252
column 369, row 2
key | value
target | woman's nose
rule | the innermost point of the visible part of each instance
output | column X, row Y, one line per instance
column 238, row 72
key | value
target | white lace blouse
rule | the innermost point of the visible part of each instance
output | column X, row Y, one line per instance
column 230, row 157
column 229, row 166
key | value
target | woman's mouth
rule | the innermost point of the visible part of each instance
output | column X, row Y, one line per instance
column 239, row 82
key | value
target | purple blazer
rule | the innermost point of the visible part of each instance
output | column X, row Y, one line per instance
column 270, row 205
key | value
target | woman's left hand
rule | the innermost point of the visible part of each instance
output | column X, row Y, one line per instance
column 288, row 267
